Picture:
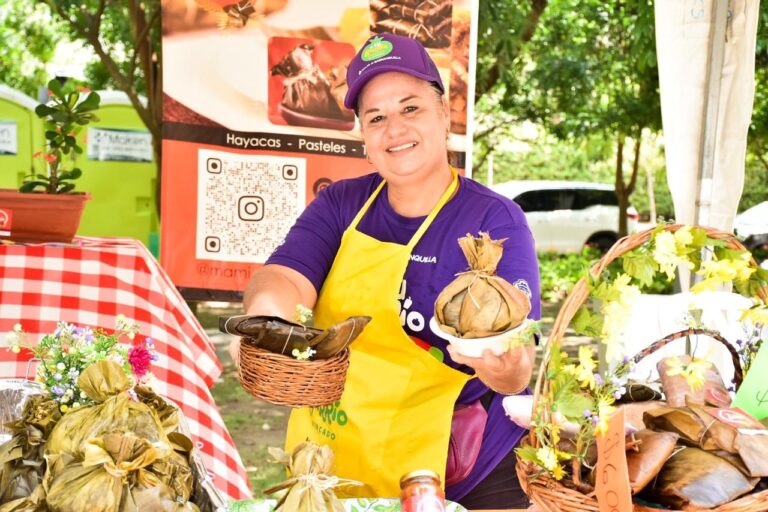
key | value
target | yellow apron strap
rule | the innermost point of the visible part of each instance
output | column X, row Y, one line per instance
column 367, row 205
column 428, row 221
column 424, row 225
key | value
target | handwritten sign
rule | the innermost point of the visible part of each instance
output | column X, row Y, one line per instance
column 612, row 481
column 752, row 396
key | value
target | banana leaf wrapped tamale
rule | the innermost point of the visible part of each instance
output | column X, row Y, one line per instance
column 113, row 475
column 699, row 478
column 645, row 462
column 106, row 384
column 22, row 457
column 479, row 303
column 311, row 480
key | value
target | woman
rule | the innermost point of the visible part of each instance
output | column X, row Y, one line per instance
column 385, row 245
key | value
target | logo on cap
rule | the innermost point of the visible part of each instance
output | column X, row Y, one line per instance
column 376, row 48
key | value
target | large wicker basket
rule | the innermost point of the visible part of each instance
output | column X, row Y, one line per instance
column 572, row 495
column 283, row 380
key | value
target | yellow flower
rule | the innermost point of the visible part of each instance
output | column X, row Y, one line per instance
column 604, row 410
column 585, row 372
column 757, row 315
column 683, row 238
column 717, row 272
column 64, row 408
column 669, row 250
column 693, row 372
column 547, row 457
column 558, row 472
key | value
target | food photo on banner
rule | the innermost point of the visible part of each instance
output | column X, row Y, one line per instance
column 255, row 126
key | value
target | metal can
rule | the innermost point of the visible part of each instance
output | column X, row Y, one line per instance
column 420, row 491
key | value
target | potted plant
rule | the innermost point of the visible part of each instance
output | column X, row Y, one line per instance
column 45, row 208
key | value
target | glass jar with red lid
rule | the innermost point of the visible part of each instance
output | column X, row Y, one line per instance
column 420, row 491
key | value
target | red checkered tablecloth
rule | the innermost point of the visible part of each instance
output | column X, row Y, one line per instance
column 89, row 283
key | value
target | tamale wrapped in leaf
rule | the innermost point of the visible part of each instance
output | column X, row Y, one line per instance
column 104, row 382
column 678, row 391
column 680, row 420
column 35, row 502
column 174, row 470
column 639, row 392
column 166, row 412
column 651, row 454
column 478, row 303
column 634, row 411
column 21, row 457
column 113, row 476
column 699, row 478
column 310, row 483
column 753, row 450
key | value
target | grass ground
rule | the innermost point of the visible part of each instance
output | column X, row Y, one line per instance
column 256, row 425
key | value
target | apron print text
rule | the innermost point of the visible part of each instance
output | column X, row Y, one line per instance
column 330, row 415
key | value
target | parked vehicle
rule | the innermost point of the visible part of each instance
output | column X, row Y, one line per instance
column 751, row 226
column 564, row 216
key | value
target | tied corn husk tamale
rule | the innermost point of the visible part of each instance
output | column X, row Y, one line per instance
column 113, row 476
column 174, row 470
column 106, row 383
column 646, row 461
column 479, row 303
column 21, row 456
column 311, row 480
column 699, row 478
column 166, row 413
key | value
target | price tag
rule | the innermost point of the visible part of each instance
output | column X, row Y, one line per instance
column 752, row 396
column 612, row 482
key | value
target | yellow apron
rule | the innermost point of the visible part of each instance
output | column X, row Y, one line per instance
column 395, row 413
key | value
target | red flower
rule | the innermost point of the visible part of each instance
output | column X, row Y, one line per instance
column 37, row 155
column 50, row 158
column 139, row 358
column 82, row 89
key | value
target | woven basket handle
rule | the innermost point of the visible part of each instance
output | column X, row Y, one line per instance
column 738, row 376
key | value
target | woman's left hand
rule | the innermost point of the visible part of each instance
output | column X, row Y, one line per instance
column 507, row 374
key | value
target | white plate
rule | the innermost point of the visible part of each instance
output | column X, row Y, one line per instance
column 474, row 347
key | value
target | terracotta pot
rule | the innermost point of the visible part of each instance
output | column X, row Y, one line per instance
column 36, row 217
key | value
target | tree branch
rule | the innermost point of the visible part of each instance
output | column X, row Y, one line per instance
column 635, row 163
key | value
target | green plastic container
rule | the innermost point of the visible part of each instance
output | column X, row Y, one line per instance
column 123, row 202
column 17, row 116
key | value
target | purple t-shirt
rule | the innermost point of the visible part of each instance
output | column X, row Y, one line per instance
column 434, row 263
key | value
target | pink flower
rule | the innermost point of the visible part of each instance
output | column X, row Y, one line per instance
column 82, row 89
column 50, row 158
column 139, row 358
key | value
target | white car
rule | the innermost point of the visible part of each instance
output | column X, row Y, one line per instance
column 751, row 226
column 564, row 216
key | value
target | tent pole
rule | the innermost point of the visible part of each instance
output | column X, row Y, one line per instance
column 720, row 13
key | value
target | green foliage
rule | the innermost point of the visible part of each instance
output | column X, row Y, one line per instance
column 65, row 115
column 559, row 272
column 29, row 38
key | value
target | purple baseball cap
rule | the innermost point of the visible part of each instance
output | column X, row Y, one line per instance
column 388, row 52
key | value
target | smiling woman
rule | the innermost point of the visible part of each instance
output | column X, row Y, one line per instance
column 383, row 245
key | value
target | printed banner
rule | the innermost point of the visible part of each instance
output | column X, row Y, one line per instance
column 9, row 139
column 254, row 123
column 119, row 145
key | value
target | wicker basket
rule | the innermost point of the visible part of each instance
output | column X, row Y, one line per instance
column 283, row 380
column 550, row 495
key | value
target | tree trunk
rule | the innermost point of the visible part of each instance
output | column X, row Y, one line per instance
column 620, row 188
column 651, row 195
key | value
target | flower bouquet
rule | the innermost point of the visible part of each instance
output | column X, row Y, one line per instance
column 573, row 401
column 97, row 437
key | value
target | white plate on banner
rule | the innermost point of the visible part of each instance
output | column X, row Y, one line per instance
column 474, row 347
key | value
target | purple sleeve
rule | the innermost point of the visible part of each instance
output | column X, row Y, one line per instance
column 312, row 242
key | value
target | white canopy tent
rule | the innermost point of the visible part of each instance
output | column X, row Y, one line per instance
column 706, row 56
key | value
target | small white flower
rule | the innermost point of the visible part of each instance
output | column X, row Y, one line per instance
column 61, row 366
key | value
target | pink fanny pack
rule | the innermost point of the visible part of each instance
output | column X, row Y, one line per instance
column 467, row 429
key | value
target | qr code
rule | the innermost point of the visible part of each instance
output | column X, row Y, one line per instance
column 246, row 204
